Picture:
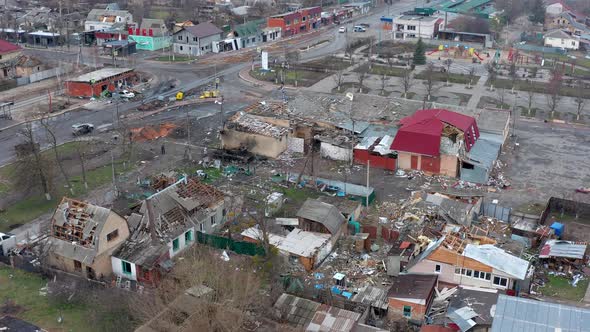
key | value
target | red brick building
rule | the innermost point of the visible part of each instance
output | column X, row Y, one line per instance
column 300, row 21
column 411, row 295
column 93, row 84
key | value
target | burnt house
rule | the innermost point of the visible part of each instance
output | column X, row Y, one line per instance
column 83, row 237
column 165, row 225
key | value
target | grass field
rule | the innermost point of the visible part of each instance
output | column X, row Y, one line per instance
column 22, row 289
column 36, row 205
column 537, row 87
column 453, row 78
column 560, row 287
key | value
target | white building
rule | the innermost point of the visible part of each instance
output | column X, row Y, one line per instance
column 103, row 19
column 416, row 26
column 558, row 38
column 554, row 9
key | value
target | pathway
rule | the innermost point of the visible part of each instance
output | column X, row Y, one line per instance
column 477, row 92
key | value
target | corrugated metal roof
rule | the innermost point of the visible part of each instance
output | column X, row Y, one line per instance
column 462, row 317
column 297, row 242
column 498, row 259
column 567, row 249
column 482, row 155
column 516, row 314
column 323, row 213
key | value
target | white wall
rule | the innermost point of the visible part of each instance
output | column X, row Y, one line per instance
column 333, row 152
column 567, row 43
column 118, row 269
column 182, row 243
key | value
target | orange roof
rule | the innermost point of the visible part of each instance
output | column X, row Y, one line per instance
column 436, row 328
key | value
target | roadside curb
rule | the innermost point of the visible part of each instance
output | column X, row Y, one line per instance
column 245, row 76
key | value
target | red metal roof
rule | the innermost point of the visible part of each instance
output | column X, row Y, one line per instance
column 421, row 132
column 6, row 47
column 404, row 245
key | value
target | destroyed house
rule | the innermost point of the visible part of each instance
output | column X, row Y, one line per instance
column 254, row 134
column 307, row 248
column 307, row 315
column 559, row 249
column 470, row 260
column 165, row 225
column 411, row 295
column 434, row 140
column 456, row 211
column 320, row 217
column 105, row 19
column 83, row 237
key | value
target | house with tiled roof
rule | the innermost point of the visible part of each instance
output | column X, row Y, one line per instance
column 197, row 39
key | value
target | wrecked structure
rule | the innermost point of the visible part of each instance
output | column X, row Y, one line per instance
column 411, row 295
column 83, row 237
column 165, row 225
column 254, row 134
column 317, row 216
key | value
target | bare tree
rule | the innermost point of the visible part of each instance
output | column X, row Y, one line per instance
column 293, row 58
column 338, row 78
column 349, row 50
column 513, row 75
column 80, row 146
column 448, row 63
column 36, row 162
column 471, row 76
column 553, row 92
column 49, row 130
column 580, row 101
column 492, row 73
column 530, row 94
column 407, row 81
column 501, row 97
column 384, row 79
column 429, row 81
column 361, row 75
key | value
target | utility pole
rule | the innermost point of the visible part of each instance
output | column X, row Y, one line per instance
column 187, row 150
column 368, row 168
column 113, row 171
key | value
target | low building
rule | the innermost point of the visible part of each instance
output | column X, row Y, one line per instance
column 470, row 309
column 434, row 140
column 517, row 314
column 251, row 133
column 411, row 295
column 308, row 248
column 249, row 34
column 376, row 152
column 179, row 211
column 458, row 260
column 416, row 26
column 107, row 19
column 152, row 35
column 298, row 21
column 119, row 48
column 83, row 237
column 567, row 21
column 197, row 39
column 44, row 39
column 108, row 35
column 351, row 210
column 9, row 56
column 95, row 83
column 317, row 216
column 558, row 38
column 308, row 315
column 28, row 65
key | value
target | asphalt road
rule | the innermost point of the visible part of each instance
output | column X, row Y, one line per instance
column 187, row 76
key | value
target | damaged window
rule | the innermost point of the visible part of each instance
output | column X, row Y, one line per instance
column 112, row 235
column 78, row 266
column 437, row 268
column 188, row 236
column 407, row 311
column 126, row 267
column 175, row 245
column 467, row 166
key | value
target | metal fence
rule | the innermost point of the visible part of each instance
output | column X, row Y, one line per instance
column 496, row 211
column 542, row 49
column 240, row 247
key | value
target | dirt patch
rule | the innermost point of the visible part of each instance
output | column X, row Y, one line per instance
column 10, row 308
column 149, row 133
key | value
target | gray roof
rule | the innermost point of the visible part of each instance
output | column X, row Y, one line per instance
column 95, row 14
column 559, row 33
column 482, row 155
column 480, row 300
column 203, row 30
column 454, row 209
column 498, row 259
column 295, row 310
column 344, row 205
column 373, row 296
column 516, row 314
column 323, row 213
column 558, row 248
column 412, row 286
column 573, row 22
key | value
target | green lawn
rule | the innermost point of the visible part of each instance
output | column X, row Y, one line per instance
column 23, row 289
column 538, row 87
column 579, row 61
column 453, row 78
column 383, row 70
column 560, row 287
column 35, row 206
column 304, row 78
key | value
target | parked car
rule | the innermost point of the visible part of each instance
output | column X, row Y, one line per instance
column 7, row 242
column 82, row 129
column 126, row 94
column 342, row 30
column 358, row 28
column 365, row 25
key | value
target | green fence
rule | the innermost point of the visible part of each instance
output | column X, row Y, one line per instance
column 240, row 247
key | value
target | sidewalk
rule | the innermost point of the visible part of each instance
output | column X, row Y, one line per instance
column 477, row 92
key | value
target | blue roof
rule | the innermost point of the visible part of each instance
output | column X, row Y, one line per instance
column 516, row 314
